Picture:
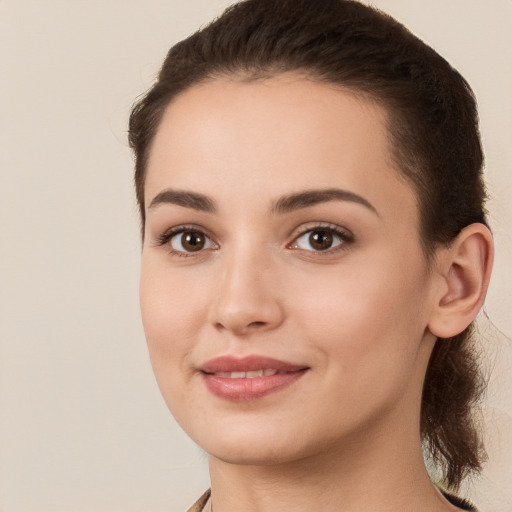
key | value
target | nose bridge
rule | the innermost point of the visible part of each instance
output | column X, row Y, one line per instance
column 246, row 297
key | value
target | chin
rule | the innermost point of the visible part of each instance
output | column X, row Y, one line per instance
column 256, row 455
column 263, row 447
column 250, row 450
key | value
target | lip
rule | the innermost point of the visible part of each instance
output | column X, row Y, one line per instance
column 243, row 388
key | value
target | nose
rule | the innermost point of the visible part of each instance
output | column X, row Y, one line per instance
column 247, row 296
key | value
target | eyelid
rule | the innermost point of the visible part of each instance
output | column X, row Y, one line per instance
column 344, row 234
column 165, row 237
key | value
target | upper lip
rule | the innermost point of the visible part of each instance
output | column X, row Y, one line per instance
column 248, row 364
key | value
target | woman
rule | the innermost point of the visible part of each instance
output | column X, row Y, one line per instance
column 315, row 251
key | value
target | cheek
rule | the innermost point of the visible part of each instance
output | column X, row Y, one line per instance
column 365, row 318
column 173, row 312
column 174, row 309
column 369, row 342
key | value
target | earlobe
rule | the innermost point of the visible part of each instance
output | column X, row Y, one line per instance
column 464, row 269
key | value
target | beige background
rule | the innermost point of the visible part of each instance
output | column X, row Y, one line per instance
column 82, row 424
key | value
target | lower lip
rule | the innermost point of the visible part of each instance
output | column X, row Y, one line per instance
column 243, row 390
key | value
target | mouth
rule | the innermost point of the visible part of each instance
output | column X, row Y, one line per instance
column 247, row 375
column 249, row 378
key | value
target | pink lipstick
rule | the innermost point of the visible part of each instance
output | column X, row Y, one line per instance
column 248, row 378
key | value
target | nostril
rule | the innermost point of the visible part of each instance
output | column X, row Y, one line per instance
column 245, row 314
column 242, row 328
column 219, row 326
column 257, row 324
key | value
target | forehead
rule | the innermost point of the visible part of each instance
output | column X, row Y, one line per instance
column 230, row 138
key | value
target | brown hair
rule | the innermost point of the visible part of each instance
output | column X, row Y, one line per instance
column 433, row 124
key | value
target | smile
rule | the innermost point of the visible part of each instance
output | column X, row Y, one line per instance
column 248, row 378
column 246, row 375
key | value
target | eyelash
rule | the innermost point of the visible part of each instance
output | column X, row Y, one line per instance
column 345, row 237
column 169, row 234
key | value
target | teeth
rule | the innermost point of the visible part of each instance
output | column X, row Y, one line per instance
column 256, row 373
column 246, row 375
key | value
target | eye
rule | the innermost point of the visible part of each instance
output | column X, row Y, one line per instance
column 185, row 240
column 321, row 239
column 190, row 241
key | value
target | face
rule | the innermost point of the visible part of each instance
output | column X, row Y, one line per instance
column 284, row 292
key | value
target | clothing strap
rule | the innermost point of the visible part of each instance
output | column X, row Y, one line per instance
column 201, row 502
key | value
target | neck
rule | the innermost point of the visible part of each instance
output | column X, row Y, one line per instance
column 363, row 475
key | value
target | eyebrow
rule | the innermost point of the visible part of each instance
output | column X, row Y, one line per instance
column 186, row 199
column 284, row 204
column 308, row 198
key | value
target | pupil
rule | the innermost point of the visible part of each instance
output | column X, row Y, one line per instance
column 192, row 241
column 320, row 240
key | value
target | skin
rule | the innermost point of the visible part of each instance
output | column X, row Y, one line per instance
column 361, row 316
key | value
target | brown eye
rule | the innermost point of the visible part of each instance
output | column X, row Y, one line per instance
column 321, row 240
column 190, row 241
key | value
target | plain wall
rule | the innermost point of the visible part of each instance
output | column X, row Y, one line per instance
column 83, row 426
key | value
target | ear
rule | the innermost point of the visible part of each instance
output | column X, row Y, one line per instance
column 462, row 271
